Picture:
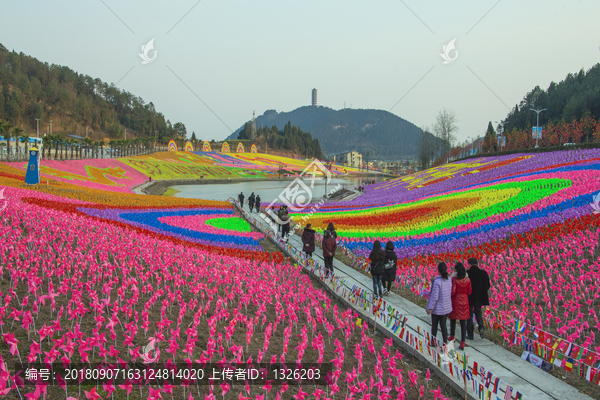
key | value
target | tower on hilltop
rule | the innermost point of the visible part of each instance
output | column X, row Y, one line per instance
column 314, row 97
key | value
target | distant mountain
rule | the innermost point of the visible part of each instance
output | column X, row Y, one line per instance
column 381, row 133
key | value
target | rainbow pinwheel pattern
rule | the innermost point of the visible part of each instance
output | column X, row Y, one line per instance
column 521, row 215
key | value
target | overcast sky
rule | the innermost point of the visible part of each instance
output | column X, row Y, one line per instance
column 238, row 56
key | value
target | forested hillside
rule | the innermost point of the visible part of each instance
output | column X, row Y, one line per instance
column 32, row 89
column 574, row 98
column 291, row 138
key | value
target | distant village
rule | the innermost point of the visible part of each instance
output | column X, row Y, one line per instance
column 361, row 161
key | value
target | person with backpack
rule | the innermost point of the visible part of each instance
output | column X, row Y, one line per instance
column 241, row 199
column 377, row 258
column 280, row 213
column 461, row 289
column 389, row 267
column 440, row 302
column 257, row 203
column 308, row 240
column 480, row 282
column 285, row 227
column 251, row 201
column 329, row 245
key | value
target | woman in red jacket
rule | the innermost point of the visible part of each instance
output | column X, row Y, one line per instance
column 461, row 289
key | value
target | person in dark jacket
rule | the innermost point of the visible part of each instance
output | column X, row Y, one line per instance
column 257, row 203
column 285, row 227
column 280, row 213
column 480, row 283
column 308, row 240
column 377, row 258
column 329, row 245
column 331, row 229
column 461, row 289
column 389, row 267
column 241, row 199
column 251, row 201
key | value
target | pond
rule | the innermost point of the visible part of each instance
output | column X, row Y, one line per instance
column 268, row 190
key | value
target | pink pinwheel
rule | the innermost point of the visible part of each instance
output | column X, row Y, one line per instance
column 34, row 350
column 318, row 393
column 109, row 387
column 437, row 393
column 155, row 394
column 224, row 387
column 267, row 386
column 412, row 377
column 35, row 395
column 9, row 338
column 92, row 395
column 301, row 395
column 127, row 387
column 351, row 376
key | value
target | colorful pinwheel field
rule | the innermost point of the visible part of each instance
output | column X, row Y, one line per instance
column 530, row 220
column 92, row 280
column 120, row 175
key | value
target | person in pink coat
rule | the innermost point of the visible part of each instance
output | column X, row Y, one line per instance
column 461, row 289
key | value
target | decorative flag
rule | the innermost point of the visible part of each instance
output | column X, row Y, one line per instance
column 590, row 374
column 568, row 364
column 508, row 394
column 520, row 326
column 496, row 383
column 589, row 358
column 488, row 380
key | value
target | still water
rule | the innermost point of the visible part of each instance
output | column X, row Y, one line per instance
column 268, row 190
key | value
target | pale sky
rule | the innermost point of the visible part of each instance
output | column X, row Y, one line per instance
column 239, row 56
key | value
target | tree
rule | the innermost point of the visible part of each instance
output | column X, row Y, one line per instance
column 25, row 139
column 427, row 148
column 444, row 128
column 194, row 139
column 180, row 130
column 246, row 133
column 88, row 142
column 490, row 143
column 5, row 130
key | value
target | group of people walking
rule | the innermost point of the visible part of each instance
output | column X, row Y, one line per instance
column 329, row 244
column 383, row 267
column 253, row 201
column 458, row 297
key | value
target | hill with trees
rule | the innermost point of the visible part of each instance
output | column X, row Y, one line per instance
column 572, row 112
column 291, row 138
column 573, row 98
column 382, row 134
column 31, row 89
